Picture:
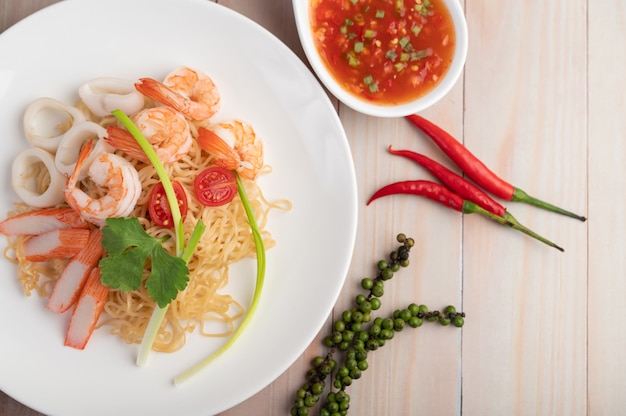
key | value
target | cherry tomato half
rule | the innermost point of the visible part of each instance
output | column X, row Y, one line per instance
column 215, row 186
column 159, row 208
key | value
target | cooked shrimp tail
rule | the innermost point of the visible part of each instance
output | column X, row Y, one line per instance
column 121, row 139
column 236, row 146
column 214, row 144
column 163, row 127
column 191, row 92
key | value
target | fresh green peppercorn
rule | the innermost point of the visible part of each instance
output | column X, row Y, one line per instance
column 386, row 334
column 360, row 299
column 398, row 324
column 346, row 316
column 318, row 388
column 449, row 310
column 309, row 401
column 387, row 323
column 374, row 330
column 371, row 344
column 340, row 326
column 332, row 407
column 415, row 322
column 405, row 314
column 386, row 274
column 365, row 307
column 328, row 341
column 458, row 321
column 375, row 303
column 358, row 345
column 377, row 291
column 325, row 369
column 355, row 374
column 362, row 365
column 413, row 309
column 382, row 265
column 367, row 283
column 342, row 396
column 317, row 361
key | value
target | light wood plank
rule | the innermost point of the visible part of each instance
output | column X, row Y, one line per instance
column 607, row 187
column 524, row 345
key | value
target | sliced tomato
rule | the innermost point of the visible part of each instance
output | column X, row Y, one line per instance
column 159, row 208
column 215, row 186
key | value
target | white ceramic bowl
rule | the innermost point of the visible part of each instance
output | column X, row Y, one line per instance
column 303, row 22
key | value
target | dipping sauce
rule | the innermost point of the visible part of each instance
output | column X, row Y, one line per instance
column 384, row 51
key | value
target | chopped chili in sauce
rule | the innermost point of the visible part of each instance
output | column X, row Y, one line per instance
column 384, row 51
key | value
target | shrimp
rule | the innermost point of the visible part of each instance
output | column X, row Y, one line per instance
column 118, row 178
column 191, row 92
column 165, row 128
column 236, row 146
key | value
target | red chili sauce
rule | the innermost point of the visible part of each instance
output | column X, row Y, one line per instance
column 385, row 51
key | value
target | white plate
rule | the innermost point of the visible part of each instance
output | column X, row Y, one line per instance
column 55, row 50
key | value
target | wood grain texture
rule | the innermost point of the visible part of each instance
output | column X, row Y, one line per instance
column 541, row 102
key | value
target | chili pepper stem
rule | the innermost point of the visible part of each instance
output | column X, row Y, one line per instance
column 507, row 220
column 521, row 196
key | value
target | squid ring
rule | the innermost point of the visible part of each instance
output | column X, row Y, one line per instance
column 25, row 178
column 105, row 94
column 46, row 120
column 73, row 140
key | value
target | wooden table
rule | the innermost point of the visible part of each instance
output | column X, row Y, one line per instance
column 541, row 101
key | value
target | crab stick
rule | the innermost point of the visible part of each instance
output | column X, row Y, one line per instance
column 71, row 281
column 87, row 311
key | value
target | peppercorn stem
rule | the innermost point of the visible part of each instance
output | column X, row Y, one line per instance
column 507, row 220
column 521, row 196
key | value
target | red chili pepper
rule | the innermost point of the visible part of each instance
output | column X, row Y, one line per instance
column 477, row 171
column 446, row 197
column 453, row 181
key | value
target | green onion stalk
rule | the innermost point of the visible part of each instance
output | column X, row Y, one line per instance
column 260, row 278
column 159, row 312
column 186, row 252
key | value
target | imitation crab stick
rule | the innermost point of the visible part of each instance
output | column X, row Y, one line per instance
column 41, row 221
column 61, row 243
column 69, row 285
column 87, row 311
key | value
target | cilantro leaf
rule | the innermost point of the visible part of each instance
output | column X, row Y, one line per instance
column 128, row 247
column 123, row 271
column 121, row 233
column 169, row 276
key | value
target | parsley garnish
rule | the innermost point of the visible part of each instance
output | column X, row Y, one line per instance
column 129, row 247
